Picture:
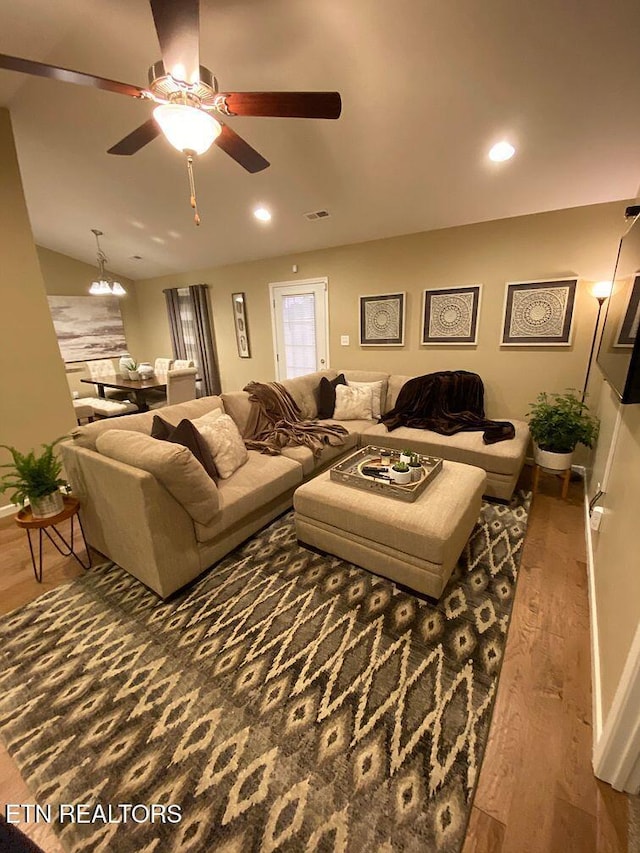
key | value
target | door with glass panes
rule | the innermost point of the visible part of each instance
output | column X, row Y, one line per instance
column 299, row 322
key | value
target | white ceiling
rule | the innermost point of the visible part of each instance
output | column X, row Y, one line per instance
column 427, row 87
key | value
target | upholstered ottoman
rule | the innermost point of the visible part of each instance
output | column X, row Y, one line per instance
column 416, row 544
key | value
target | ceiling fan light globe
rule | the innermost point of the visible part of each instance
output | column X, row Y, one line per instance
column 187, row 128
column 117, row 289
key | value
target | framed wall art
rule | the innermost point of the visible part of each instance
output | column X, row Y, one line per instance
column 628, row 330
column 240, row 323
column 382, row 320
column 450, row 315
column 538, row 313
column 88, row 327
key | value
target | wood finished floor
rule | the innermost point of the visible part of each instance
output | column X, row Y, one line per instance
column 536, row 792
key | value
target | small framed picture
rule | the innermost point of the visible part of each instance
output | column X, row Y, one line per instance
column 382, row 320
column 450, row 315
column 240, row 323
column 538, row 313
column 628, row 330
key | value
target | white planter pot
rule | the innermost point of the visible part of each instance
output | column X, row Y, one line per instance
column 47, row 505
column 551, row 461
column 404, row 457
column 133, row 374
column 400, row 477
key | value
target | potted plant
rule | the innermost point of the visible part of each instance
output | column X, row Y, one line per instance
column 36, row 479
column 400, row 473
column 558, row 422
column 416, row 467
column 405, row 456
column 131, row 366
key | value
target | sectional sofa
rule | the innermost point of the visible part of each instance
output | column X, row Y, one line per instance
column 149, row 506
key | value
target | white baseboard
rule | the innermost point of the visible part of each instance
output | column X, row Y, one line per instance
column 596, row 681
column 10, row 509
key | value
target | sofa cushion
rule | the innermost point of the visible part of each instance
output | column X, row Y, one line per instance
column 238, row 406
column 303, row 456
column 305, row 391
column 261, row 480
column 503, row 457
column 327, row 395
column 188, row 436
column 175, row 467
column 353, row 403
column 223, row 440
column 396, row 381
column 85, row 436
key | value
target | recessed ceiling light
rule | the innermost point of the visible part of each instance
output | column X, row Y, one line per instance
column 262, row 214
column 502, row 151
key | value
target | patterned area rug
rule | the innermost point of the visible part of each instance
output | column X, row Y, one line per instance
column 288, row 701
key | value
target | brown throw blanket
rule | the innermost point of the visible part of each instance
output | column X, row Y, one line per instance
column 275, row 422
column 447, row 402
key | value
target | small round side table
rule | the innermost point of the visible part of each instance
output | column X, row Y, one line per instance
column 26, row 519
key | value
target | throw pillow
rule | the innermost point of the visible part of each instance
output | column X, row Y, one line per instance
column 224, row 441
column 376, row 391
column 353, row 404
column 188, row 436
column 327, row 395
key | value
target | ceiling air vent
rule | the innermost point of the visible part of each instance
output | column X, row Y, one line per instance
column 317, row 214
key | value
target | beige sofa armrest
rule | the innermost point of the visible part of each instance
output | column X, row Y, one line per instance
column 174, row 466
column 133, row 520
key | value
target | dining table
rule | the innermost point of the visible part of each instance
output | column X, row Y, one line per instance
column 137, row 387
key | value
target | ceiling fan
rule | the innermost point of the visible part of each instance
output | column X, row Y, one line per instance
column 187, row 96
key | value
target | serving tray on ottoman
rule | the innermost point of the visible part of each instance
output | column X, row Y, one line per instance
column 352, row 472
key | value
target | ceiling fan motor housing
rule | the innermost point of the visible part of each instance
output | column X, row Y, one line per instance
column 165, row 89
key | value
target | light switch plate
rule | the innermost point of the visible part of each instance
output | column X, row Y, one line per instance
column 344, row 340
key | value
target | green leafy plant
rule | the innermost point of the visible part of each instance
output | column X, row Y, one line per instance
column 558, row 422
column 400, row 467
column 130, row 364
column 32, row 476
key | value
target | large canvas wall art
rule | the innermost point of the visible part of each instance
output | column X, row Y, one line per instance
column 538, row 313
column 88, row 327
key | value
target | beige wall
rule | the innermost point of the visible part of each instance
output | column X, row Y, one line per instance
column 580, row 242
column 36, row 406
column 64, row 276
column 615, row 548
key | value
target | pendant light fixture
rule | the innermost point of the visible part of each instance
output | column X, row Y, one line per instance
column 104, row 284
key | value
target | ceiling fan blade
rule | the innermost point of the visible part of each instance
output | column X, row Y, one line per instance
column 239, row 150
column 177, row 24
column 284, row 104
column 39, row 69
column 137, row 139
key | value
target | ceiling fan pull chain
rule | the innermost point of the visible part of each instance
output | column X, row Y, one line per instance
column 192, row 189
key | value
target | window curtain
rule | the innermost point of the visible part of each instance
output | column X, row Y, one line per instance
column 175, row 323
column 207, row 360
column 192, row 333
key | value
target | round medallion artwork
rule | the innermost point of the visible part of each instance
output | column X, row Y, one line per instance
column 539, row 313
column 451, row 316
column 382, row 320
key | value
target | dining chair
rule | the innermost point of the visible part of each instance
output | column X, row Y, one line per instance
column 181, row 386
column 181, row 363
column 162, row 365
column 104, row 367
